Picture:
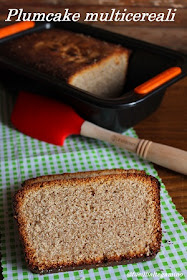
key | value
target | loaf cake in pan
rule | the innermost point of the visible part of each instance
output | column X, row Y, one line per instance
column 87, row 63
column 90, row 219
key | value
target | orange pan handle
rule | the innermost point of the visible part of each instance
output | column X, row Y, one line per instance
column 158, row 80
column 15, row 28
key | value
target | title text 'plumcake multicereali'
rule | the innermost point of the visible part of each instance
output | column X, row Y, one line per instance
column 82, row 61
column 88, row 219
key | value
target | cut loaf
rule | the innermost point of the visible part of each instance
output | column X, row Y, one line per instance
column 88, row 219
column 82, row 61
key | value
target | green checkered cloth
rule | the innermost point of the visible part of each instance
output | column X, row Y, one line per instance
column 22, row 157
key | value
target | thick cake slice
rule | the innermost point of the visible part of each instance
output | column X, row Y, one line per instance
column 82, row 61
column 93, row 220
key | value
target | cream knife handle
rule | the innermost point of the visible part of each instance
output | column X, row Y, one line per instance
column 169, row 157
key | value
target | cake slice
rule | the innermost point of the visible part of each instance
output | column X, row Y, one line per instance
column 92, row 220
column 87, row 63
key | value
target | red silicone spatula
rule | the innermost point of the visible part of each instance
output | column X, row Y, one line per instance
column 51, row 121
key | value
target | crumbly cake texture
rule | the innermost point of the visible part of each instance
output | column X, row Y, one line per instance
column 95, row 219
column 82, row 61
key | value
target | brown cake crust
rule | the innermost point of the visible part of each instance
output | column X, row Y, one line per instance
column 60, row 53
column 83, row 174
column 105, row 263
column 153, row 188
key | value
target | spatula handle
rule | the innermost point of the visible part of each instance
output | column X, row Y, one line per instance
column 166, row 156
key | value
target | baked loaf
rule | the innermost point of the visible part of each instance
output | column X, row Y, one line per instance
column 82, row 61
column 89, row 219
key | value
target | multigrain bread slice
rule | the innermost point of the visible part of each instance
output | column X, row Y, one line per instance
column 82, row 61
column 90, row 221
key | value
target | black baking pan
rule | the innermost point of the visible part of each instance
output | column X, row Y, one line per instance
column 136, row 102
